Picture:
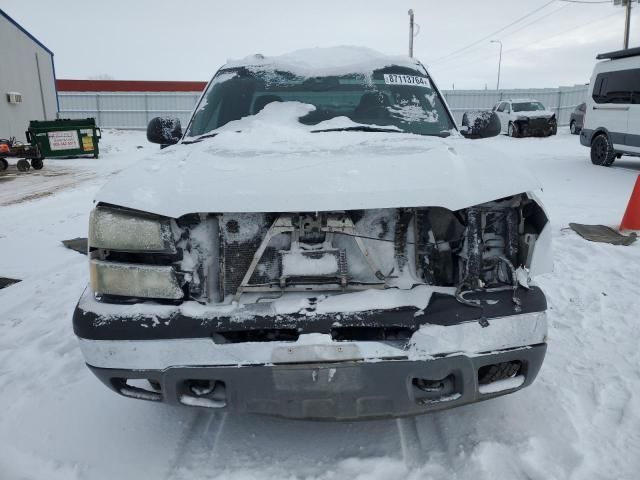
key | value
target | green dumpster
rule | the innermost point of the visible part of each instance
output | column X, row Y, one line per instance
column 65, row 137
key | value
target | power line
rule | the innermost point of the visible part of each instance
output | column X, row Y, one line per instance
column 523, row 47
column 584, row 2
column 463, row 54
column 492, row 34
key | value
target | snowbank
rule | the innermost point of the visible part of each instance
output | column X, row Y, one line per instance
column 579, row 420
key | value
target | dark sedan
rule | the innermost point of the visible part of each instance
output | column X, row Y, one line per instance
column 577, row 118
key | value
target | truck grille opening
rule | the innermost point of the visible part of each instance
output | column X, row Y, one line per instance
column 371, row 334
column 262, row 335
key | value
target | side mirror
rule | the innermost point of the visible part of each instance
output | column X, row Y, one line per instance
column 164, row 130
column 480, row 124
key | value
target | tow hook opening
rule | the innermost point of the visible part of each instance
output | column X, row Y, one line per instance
column 204, row 393
column 498, row 371
column 140, row 388
column 497, row 377
column 435, row 390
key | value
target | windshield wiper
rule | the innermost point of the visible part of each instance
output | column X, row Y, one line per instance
column 200, row 138
column 359, row 128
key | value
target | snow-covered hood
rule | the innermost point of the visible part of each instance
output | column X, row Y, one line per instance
column 276, row 164
column 535, row 114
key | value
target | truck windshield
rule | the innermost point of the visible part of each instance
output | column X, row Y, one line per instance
column 527, row 107
column 396, row 97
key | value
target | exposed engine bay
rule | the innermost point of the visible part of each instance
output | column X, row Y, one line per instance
column 220, row 257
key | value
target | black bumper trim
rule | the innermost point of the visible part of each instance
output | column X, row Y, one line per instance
column 334, row 391
column 535, row 127
column 586, row 135
column 442, row 310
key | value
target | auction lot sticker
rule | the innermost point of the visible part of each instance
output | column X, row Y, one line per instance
column 67, row 140
column 415, row 80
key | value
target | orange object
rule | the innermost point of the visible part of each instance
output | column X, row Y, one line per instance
column 631, row 219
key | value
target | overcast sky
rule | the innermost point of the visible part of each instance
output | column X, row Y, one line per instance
column 190, row 39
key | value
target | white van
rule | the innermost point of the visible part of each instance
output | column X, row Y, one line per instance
column 612, row 119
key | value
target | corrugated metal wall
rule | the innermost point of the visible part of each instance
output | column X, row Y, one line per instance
column 127, row 110
column 134, row 110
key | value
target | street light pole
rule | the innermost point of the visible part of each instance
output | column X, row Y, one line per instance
column 499, row 62
column 411, row 33
column 627, row 21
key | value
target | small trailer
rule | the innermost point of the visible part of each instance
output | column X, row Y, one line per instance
column 52, row 139
column 29, row 155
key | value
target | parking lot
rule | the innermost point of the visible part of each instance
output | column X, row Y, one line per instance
column 576, row 421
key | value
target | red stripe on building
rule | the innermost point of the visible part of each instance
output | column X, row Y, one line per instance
column 127, row 86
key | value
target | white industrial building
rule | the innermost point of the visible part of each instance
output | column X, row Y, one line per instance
column 27, row 80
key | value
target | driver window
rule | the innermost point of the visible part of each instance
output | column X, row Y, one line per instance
column 501, row 107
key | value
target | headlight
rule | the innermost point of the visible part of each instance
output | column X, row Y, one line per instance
column 114, row 229
column 132, row 280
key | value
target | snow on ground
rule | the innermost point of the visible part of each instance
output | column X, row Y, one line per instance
column 579, row 420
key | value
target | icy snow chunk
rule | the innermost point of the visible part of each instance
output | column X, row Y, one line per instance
column 501, row 385
column 139, row 393
column 301, row 264
column 445, row 398
column 372, row 299
column 202, row 402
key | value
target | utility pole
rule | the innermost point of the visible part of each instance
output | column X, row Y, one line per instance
column 411, row 33
column 627, row 22
column 627, row 18
column 499, row 62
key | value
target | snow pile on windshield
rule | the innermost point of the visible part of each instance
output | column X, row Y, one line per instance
column 279, row 116
column 340, row 60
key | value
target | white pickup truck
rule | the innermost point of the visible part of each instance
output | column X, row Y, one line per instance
column 320, row 242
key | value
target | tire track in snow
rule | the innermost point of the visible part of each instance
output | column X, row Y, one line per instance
column 197, row 447
column 409, row 441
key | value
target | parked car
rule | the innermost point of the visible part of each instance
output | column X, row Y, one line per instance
column 320, row 242
column 576, row 121
column 612, row 124
column 525, row 117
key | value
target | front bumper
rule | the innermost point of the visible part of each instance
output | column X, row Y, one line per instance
column 334, row 391
column 536, row 127
column 333, row 369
